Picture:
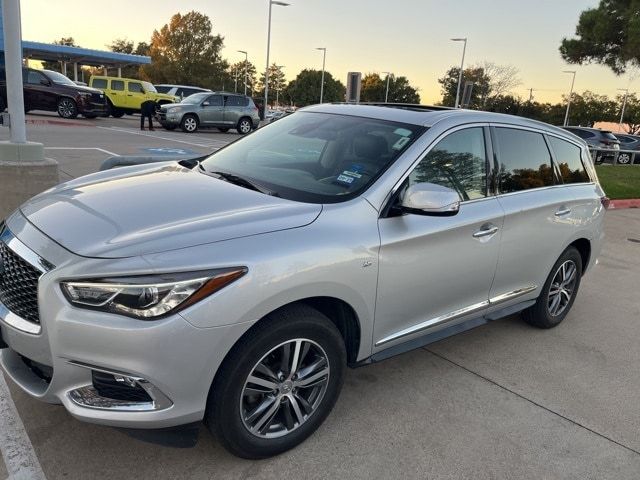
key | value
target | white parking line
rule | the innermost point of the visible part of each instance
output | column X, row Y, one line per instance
column 17, row 451
column 83, row 148
column 122, row 130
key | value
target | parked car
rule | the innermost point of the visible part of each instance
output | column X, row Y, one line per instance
column 237, row 288
column 602, row 140
column 180, row 91
column 54, row 92
column 627, row 142
column 125, row 95
column 221, row 110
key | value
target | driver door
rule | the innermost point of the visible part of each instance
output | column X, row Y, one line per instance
column 436, row 271
column 212, row 111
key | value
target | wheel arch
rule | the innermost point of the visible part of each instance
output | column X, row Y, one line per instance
column 583, row 246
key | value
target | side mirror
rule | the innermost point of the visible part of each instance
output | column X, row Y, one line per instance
column 430, row 199
column 205, row 104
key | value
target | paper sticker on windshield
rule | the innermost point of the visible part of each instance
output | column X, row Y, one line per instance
column 402, row 141
column 352, row 174
column 345, row 179
column 403, row 132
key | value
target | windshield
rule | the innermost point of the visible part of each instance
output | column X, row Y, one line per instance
column 56, row 77
column 316, row 157
column 196, row 98
column 149, row 87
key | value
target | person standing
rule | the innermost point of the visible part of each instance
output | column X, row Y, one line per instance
column 147, row 110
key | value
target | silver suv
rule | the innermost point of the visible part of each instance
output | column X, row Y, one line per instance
column 221, row 110
column 237, row 289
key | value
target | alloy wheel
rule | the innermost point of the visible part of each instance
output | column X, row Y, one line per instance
column 285, row 388
column 562, row 288
column 245, row 126
column 66, row 108
column 190, row 124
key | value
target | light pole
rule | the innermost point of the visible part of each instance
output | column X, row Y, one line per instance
column 324, row 57
column 566, row 115
column 246, row 62
column 624, row 105
column 266, row 72
column 464, row 50
column 386, row 93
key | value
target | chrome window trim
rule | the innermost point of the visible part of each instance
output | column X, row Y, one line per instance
column 548, row 187
column 17, row 322
column 430, row 147
column 456, row 314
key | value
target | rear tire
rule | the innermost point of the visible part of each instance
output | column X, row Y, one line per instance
column 189, row 123
column 244, row 126
column 259, row 420
column 67, row 108
column 559, row 292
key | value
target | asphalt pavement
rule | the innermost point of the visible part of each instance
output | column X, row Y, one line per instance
column 502, row 401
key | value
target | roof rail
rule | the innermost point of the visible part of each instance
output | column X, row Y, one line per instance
column 404, row 106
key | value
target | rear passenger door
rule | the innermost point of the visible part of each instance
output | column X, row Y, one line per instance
column 233, row 109
column 539, row 214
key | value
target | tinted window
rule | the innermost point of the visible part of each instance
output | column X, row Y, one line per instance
column 99, row 83
column 215, row 100
column 609, row 136
column 235, row 101
column 583, row 133
column 162, row 89
column 34, row 78
column 135, row 87
column 458, row 162
column 624, row 139
column 569, row 161
column 117, row 85
column 524, row 160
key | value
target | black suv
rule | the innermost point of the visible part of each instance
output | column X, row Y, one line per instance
column 52, row 91
column 599, row 140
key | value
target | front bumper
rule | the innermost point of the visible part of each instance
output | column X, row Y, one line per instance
column 174, row 359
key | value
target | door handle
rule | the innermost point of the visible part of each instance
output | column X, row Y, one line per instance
column 563, row 211
column 485, row 231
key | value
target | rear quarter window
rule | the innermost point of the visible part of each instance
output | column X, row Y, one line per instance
column 569, row 160
column 524, row 160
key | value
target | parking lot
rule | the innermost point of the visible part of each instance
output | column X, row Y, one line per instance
column 501, row 401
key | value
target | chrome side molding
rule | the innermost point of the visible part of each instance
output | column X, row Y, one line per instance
column 456, row 314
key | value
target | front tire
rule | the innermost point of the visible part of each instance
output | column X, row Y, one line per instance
column 558, row 293
column 278, row 384
column 244, row 126
column 67, row 108
column 189, row 123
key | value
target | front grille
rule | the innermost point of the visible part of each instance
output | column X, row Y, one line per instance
column 19, row 285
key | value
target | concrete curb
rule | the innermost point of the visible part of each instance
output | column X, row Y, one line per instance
column 627, row 203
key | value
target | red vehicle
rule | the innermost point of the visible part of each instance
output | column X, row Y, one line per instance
column 52, row 91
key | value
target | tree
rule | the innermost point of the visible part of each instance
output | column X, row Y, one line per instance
column 55, row 65
column 123, row 45
column 372, row 88
column 305, row 88
column 608, row 35
column 239, row 67
column 184, row 51
column 491, row 82
column 277, row 83
column 631, row 113
column 589, row 108
column 400, row 91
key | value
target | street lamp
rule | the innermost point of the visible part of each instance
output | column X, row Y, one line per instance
column 266, row 73
column 324, row 57
column 246, row 62
column 464, row 49
column 624, row 105
column 386, row 93
column 566, row 115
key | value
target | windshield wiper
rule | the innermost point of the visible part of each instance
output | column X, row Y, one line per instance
column 240, row 181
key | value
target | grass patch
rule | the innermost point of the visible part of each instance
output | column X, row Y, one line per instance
column 620, row 181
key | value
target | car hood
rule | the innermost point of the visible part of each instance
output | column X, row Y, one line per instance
column 80, row 88
column 147, row 209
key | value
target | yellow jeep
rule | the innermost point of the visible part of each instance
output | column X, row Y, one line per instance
column 125, row 95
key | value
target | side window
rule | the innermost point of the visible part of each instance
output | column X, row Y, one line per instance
column 584, row 133
column 117, row 85
column 215, row 100
column 135, row 87
column 234, row 101
column 35, row 78
column 568, row 158
column 99, row 83
column 162, row 89
column 181, row 92
column 524, row 159
column 459, row 162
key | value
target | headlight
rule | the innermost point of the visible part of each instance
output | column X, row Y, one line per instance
column 174, row 109
column 150, row 296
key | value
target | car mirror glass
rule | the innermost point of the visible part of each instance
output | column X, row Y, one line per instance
column 430, row 199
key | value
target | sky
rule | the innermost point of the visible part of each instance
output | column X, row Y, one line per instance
column 406, row 37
